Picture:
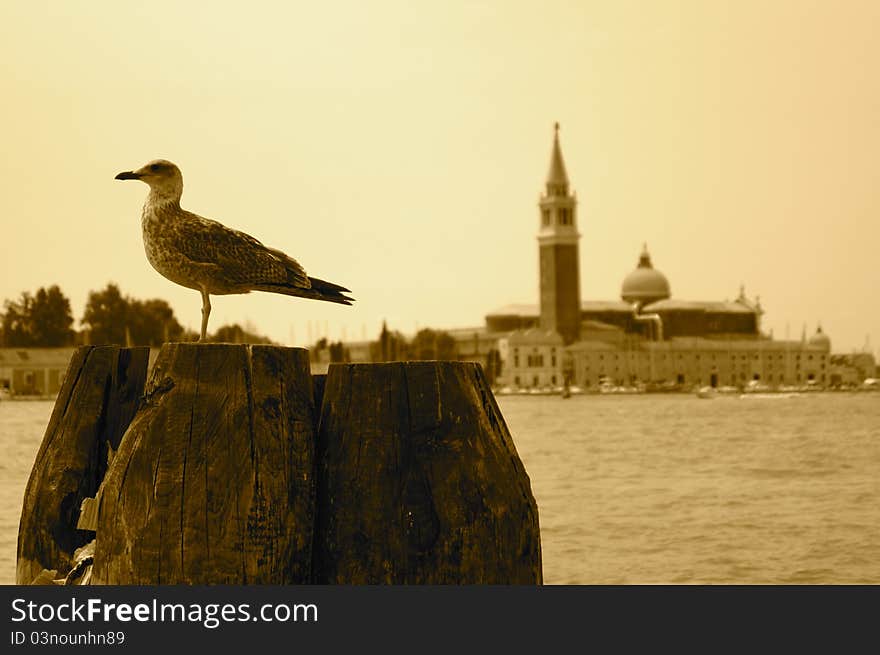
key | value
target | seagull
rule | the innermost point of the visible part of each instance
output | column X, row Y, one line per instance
column 202, row 254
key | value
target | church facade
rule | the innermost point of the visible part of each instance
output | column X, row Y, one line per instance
column 646, row 337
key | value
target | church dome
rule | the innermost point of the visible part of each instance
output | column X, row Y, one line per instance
column 645, row 284
column 820, row 339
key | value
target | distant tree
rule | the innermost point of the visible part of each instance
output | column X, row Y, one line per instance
column 106, row 315
column 110, row 317
column 339, row 353
column 432, row 344
column 152, row 322
column 43, row 320
column 391, row 346
column 317, row 349
column 16, row 326
column 237, row 334
column 385, row 338
column 52, row 318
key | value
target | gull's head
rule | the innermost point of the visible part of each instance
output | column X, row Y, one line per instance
column 163, row 177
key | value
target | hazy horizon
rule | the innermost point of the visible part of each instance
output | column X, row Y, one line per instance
column 400, row 148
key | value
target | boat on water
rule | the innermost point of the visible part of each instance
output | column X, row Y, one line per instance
column 769, row 396
column 563, row 391
column 618, row 389
column 706, row 392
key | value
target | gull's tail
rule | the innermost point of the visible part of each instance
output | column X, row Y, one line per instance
column 301, row 285
column 321, row 290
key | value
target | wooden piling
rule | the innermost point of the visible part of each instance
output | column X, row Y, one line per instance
column 213, row 483
column 97, row 400
column 228, row 474
column 419, row 481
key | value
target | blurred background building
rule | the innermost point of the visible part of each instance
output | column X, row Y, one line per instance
column 646, row 337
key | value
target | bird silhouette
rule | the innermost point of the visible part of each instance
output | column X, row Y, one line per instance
column 202, row 254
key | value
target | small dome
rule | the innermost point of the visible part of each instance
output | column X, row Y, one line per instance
column 820, row 339
column 645, row 284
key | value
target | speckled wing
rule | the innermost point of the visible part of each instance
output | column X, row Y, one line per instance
column 242, row 259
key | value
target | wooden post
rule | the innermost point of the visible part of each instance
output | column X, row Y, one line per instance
column 226, row 476
column 213, row 483
column 97, row 400
column 419, row 481
column 318, row 382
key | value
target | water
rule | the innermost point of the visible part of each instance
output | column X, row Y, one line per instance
column 655, row 488
column 21, row 430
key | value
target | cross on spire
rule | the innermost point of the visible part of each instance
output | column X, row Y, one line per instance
column 557, row 178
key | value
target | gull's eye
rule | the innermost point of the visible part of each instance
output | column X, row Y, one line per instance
column 154, row 167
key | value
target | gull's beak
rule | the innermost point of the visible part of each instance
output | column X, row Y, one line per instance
column 128, row 175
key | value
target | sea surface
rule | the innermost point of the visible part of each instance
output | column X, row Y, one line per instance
column 655, row 488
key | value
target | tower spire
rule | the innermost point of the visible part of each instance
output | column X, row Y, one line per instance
column 558, row 252
column 557, row 178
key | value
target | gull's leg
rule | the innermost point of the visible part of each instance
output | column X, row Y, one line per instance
column 206, row 312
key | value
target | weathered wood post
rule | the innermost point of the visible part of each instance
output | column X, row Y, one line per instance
column 97, row 400
column 227, row 474
column 213, row 483
column 419, row 481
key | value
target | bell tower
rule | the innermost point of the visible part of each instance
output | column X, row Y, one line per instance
column 558, row 252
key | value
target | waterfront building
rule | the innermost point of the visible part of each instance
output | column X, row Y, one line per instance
column 852, row 369
column 533, row 358
column 647, row 337
column 33, row 371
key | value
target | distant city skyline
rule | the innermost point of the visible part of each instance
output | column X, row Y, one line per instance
column 401, row 150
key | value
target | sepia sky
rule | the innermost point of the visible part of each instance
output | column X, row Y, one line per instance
column 399, row 148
